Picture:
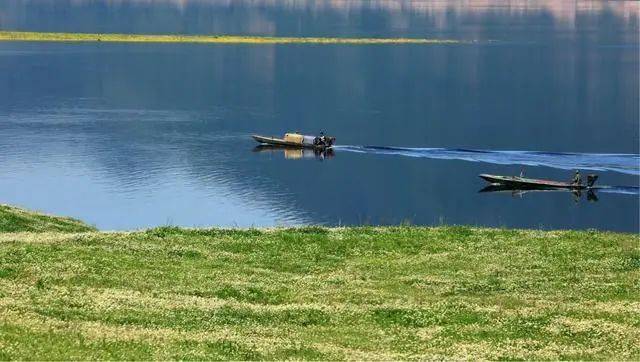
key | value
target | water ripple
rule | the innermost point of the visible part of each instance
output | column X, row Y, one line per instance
column 615, row 162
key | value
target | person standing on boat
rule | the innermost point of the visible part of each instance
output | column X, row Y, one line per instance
column 577, row 179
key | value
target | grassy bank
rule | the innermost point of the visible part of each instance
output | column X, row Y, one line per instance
column 316, row 293
column 13, row 219
column 220, row 39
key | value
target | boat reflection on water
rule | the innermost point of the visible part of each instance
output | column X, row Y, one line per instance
column 294, row 153
column 515, row 191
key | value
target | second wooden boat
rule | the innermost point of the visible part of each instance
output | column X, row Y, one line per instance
column 531, row 183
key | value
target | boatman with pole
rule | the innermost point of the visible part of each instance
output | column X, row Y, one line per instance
column 577, row 179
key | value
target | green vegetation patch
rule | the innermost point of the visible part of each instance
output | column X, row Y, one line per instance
column 317, row 293
column 13, row 219
column 220, row 39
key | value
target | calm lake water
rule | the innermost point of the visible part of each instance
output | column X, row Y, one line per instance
column 129, row 136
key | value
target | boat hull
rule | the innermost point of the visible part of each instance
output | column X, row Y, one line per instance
column 529, row 183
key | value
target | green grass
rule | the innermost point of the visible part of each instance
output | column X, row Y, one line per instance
column 220, row 39
column 318, row 293
column 13, row 219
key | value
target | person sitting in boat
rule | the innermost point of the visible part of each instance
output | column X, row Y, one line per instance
column 321, row 140
column 577, row 179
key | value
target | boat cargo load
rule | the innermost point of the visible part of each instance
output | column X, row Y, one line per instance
column 294, row 138
column 308, row 140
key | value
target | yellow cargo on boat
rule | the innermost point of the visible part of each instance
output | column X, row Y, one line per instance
column 294, row 138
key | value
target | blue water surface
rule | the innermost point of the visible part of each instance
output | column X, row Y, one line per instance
column 128, row 136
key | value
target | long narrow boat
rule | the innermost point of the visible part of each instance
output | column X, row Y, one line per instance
column 531, row 183
column 297, row 141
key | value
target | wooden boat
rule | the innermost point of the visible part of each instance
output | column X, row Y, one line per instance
column 297, row 140
column 524, row 183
